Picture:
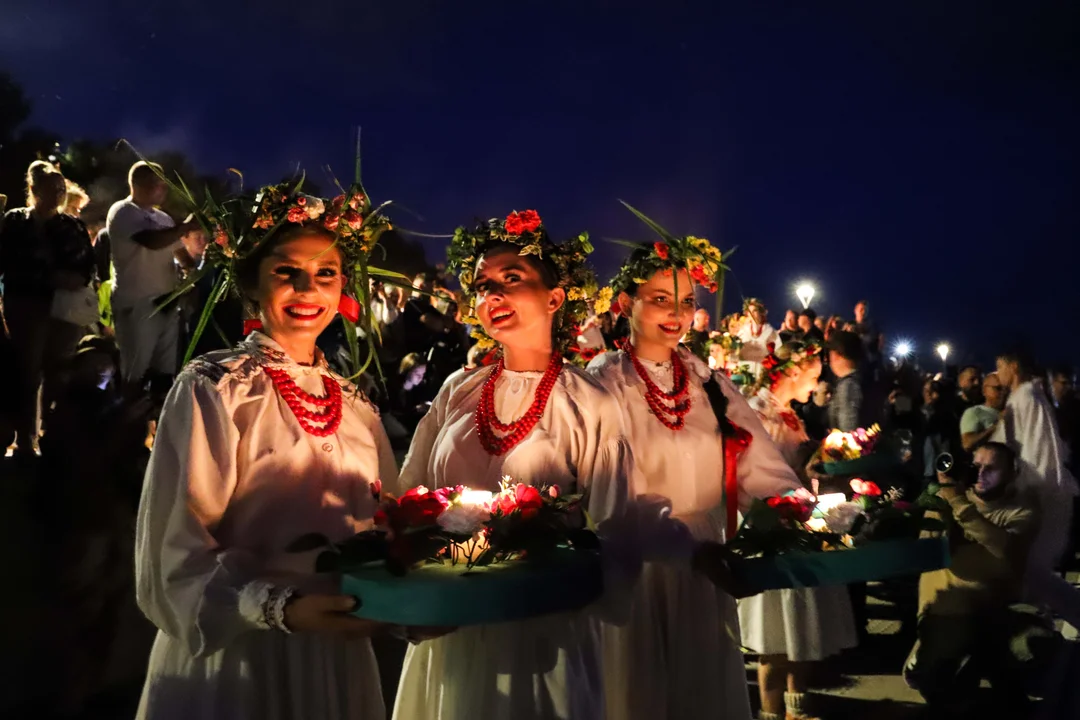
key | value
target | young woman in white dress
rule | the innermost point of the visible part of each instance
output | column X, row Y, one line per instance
column 792, row 628
column 533, row 418
column 678, row 656
column 256, row 447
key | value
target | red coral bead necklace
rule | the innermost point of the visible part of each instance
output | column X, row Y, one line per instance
column 670, row 408
column 320, row 423
column 487, row 422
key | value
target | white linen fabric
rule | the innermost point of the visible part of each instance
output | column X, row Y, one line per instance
column 678, row 656
column 803, row 623
column 233, row 479
column 1032, row 432
column 546, row 667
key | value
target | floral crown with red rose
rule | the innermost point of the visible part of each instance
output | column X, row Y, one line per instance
column 526, row 229
column 696, row 255
column 780, row 360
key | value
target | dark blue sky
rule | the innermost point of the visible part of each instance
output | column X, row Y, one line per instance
column 920, row 154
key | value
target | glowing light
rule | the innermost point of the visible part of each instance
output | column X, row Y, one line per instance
column 830, row 500
column 805, row 292
column 943, row 351
column 476, row 497
column 903, row 349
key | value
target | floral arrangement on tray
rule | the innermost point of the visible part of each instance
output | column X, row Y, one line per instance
column 460, row 526
column 840, row 446
column 799, row 521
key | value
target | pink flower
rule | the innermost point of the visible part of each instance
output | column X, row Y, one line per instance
column 354, row 219
column 553, row 491
column 330, row 222
column 297, row 215
column 356, row 202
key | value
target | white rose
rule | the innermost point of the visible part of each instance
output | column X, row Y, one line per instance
column 840, row 518
column 463, row 519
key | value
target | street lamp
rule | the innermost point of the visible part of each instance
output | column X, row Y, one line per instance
column 805, row 292
column 943, row 353
column 903, row 349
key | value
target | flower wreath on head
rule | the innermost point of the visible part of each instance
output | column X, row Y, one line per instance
column 697, row 255
column 526, row 230
column 782, row 359
column 751, row 302
column 238, row 226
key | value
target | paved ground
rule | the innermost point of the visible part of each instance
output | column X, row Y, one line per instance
column 864, row 684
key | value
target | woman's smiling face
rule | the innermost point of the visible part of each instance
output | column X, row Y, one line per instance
column 513, row 303
column 662, row 309
column 299, row 286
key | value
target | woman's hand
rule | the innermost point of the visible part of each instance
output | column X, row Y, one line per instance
column 327, row 614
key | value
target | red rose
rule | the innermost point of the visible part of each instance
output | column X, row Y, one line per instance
column 337, row 202
column 505, row 503
column 330, row 222
column 420, row 507
column 525, row 221
column 553, row 491
column 697, row 274
column 297, row 215
column 301, row 201
column 528, row 500
column 790, row 508
column 662, row 250
column 354, row 219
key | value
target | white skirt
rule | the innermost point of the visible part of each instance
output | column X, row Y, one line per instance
column 803, row 623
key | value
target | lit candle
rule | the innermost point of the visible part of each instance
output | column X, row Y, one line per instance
column 476, row 497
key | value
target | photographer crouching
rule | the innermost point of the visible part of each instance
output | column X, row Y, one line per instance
column 965, row 621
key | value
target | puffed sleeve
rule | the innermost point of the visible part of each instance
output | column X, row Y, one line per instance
column 762, row 470
column 605, row 470
column 187, row 584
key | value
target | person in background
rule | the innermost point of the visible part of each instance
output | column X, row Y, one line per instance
column 815, row 414
column 867, row 331
column 790, row 329
column 697, row 338
column 1031, row 431
column 42, row 250
column 968, row 385
column 1066, row 409
column 75, row 200
column 820, row 323
column 939, row 427
column 146, row 245
column 980, row 422
column 807, row 322
column 756, row 334
column 846, row 406
column 964, row 607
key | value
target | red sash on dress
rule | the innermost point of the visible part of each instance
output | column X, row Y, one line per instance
column 735, row 445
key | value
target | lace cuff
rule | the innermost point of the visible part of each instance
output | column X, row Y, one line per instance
column 274, row 608
column 263, row 604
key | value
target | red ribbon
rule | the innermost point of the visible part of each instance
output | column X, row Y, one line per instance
column 252, row 325
column 734, row 446
column 349, row 309
column 790, row 419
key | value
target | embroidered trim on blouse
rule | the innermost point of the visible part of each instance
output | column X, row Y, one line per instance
column 274, row 607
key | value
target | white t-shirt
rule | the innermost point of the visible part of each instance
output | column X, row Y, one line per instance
column 141, row 273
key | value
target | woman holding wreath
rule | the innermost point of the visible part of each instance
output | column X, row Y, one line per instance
column 700, row 456
column 530, row 416
column 256, row 447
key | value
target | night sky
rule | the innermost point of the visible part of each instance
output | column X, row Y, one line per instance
column 921, row 155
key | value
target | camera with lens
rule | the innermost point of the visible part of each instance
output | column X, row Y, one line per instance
column 957, row 470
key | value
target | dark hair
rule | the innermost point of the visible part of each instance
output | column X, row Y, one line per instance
column 40, row 171
column 1005, row 450
column 847, row 345
column 1061, row 370
column 1021, row 357
column 809, row 313
column 549, row 273
column 247, row 268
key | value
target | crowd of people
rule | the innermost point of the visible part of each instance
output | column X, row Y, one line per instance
column 203, row 463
